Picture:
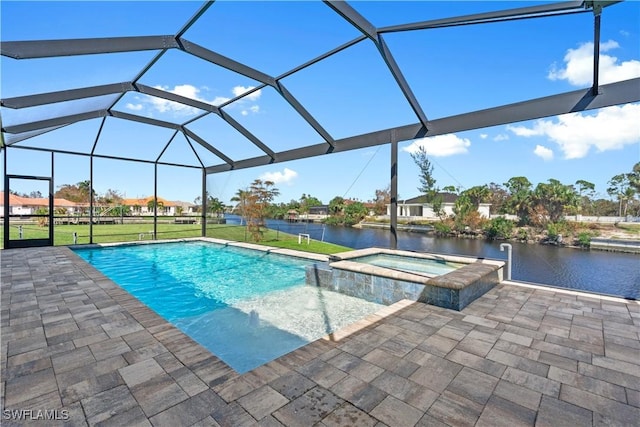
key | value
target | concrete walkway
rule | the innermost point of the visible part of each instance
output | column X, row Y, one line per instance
column 78, row 348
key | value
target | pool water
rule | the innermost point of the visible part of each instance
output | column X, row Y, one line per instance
column 246, row 306
column 432, row 267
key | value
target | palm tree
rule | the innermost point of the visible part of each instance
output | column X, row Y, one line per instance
column 336, row 205
column 555, row 197
column 619, row 187
column 519, row 200
column 154, row 205
column 215, row 206
column 583, row 186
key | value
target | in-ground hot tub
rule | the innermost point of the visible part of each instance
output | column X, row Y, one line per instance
column 386, row 276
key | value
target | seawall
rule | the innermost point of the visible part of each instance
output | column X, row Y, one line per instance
column 616, row 245
column 401, row 227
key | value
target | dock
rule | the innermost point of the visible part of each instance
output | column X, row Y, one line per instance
column 414, row 228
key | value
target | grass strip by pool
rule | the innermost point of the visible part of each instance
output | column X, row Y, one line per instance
column 109, row 233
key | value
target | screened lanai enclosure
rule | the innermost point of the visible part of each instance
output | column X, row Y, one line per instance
column 107, row 94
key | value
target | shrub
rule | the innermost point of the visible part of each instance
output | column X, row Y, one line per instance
column 584, row 239
column 42, row 221
column 523, row 234
column 349, row 221
column 354, row 213
column 499, row 228
column 569, row 227
column 470, row 221
column 442, row 228
column 333, row 220
column 553, row 231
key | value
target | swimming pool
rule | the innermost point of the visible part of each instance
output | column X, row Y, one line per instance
column 246, row 306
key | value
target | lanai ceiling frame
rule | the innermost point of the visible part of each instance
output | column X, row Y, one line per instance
column 55, row 48
column 581, row 100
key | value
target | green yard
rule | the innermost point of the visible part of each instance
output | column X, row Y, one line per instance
column 108, row 233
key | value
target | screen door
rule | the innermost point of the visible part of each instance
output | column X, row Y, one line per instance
column 28, row 211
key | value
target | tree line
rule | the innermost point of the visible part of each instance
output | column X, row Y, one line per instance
column 544, row 205
column 551, row 199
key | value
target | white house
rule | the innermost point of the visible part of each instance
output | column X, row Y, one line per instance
column 165, row 207
column 417, row 208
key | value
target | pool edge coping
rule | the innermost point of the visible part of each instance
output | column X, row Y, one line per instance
column 263, row 248
column 343, row 261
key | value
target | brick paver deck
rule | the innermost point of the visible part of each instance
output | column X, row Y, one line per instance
column 75, row 342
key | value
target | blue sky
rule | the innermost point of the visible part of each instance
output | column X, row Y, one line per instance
column 450, row 70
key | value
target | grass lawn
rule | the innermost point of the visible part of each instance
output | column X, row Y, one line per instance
column 273, row 238
column 632, row 229
column 108, row 233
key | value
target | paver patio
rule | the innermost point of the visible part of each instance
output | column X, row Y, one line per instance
column 75, row 344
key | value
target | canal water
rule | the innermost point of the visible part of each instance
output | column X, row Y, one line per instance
column 608, row 273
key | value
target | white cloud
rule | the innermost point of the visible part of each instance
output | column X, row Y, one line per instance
column 609, row 128
column 483, row 136
column 239, row 90
column 166, row 106
column 578, row 69
column 253, row 109
column 189, row 91
column 440, row 146
column 501, row 137
column 284, row 177
column 544, row 152
column 522, row 131
column 219, row 100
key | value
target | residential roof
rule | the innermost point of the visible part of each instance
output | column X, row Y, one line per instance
column 35, row 201
column 60, row 202
column 446, row 198
column 144, row 201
